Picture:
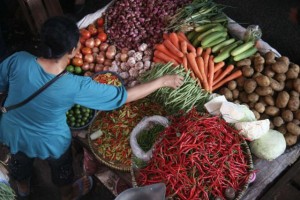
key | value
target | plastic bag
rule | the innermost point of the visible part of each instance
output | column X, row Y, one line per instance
column 143, row 124
column 150, row 192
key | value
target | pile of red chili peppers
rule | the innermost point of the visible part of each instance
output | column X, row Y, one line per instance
column 108, row 78
column 197, row 158
column 117, row 125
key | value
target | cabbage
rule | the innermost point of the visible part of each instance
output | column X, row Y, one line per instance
column 254, row 129
column 233, row 113
column 269, row 146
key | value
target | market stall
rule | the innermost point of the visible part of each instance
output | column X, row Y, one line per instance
column 245, row 91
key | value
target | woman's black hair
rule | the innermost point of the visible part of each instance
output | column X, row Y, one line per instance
column 59, row 35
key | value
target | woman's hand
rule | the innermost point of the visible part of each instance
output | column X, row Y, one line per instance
column 172, row 81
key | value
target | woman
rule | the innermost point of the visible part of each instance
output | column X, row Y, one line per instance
column 39, row 129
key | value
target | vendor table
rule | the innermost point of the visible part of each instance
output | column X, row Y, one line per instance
column 267, row 171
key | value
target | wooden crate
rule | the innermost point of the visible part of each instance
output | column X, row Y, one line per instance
column 37, row 11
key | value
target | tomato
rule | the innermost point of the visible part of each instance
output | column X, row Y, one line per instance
column 102, row 37
column 92, row 29
column 100, row 30
column 77, row 61
column 100, row 21
column 86, row 50
column 85, row 33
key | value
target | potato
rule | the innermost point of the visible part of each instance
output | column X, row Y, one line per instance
column 297, row 114
column 270, row 58
column 268, row 71
column 264, row 91
column 250, row 85
column 282, row 99
column 243, row 97
column 296, row 121
column 280, row 77
column 264, row 116
column 240, row 81
column 278, row 121
column 262, row 80
column 256, row 114
column 247, row 71
column 227, row 93
column 253, row 97
column 289, row 84
column 244, row 62
column 287, row 115
column 290, row 139
column 282, row 129
column 272, row 111
column 296, row 85
column 269, row 100
column 235, row 93
column 280, row 67
column 276, row 86
column 293, row 103
column 293, row 71
column 232, row 85
column 251, row 105
column 258, row 60
column 294, row 93
column 293, row 128
column 259, row 107
column 284, row 59
column 259, row 68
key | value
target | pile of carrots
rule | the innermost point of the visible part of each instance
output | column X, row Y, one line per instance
column 177, row 49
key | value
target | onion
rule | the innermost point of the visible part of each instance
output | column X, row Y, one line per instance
column 103, row 46
column 85, row 66
column 88, row 73
column 124, row 57
column 97, row 42
column 107, row 62
column 105, row 68
column 98, row 68
column 111, row 52
column 92, row 66
column 90, row 43
column 95, row 50
column 78, row 55
column 89, row 58
column 100, row 59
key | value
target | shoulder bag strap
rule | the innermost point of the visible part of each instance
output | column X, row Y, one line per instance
column 6, row 109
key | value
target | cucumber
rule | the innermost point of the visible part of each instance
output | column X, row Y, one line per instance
column 205, row 27
column 245, row 54
column 211, row 37
column 223, row 44
column 204, row 34
column 190, row 35
column 235, row 44
column 226, row 51
column 215, row 42
column 243, row 47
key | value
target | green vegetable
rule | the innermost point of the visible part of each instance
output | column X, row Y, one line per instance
column 206, row 33
column 213, row 36
column 6, row 192
column 147, row 137
column 225, row 51
column 205, row 27
column 241, row 48
column 245, row 54
column 222, row 44
column 215, row 42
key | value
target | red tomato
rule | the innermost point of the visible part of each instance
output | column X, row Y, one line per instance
column 86, row 50
column 100, row 21
column 102, row 37
column 100, row 30
column 77, row 61
column 85, row 33
column 92, row 29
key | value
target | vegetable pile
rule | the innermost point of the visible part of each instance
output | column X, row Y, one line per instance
column 198, row 157
column 117, row 125
column 108, row 78
column 133, row 22
column 79, row 116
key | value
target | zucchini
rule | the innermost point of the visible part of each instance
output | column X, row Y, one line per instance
column 245, row 54
column 204, row 34
column 190, row 35
column 243, row 47
column 205, row 27
column 215, row 42
column 223, row 44
column 226, row 51
column 211, row 37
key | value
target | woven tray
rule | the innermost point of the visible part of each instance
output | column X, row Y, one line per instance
column 240, row 193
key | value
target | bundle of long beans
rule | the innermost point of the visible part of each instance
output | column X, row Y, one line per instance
column 6, row 192
column 196, row 13
column 183, row 99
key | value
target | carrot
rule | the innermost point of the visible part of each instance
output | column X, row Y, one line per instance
column 174, row 39
column 200, row 64
column 219, row 65
column 172, row 48
column 208, row 50
column 163, row 48
column 165, row 36
column 232, row 76
column 164, row 57
column 192, row 61
column 211, row 72
column 183, row 47
column 185, row 63
column 205, row 59
column 157, row 60
column 199, row 51
column 217, row 73
column 182, row 37
column 223, row 74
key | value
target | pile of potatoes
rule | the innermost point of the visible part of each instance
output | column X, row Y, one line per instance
column 270, row 86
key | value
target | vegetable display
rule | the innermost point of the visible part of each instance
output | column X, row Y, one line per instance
column 113, row 146
column 108, row 78
column 183, row 99
column 198, row 157
column 79, row 116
